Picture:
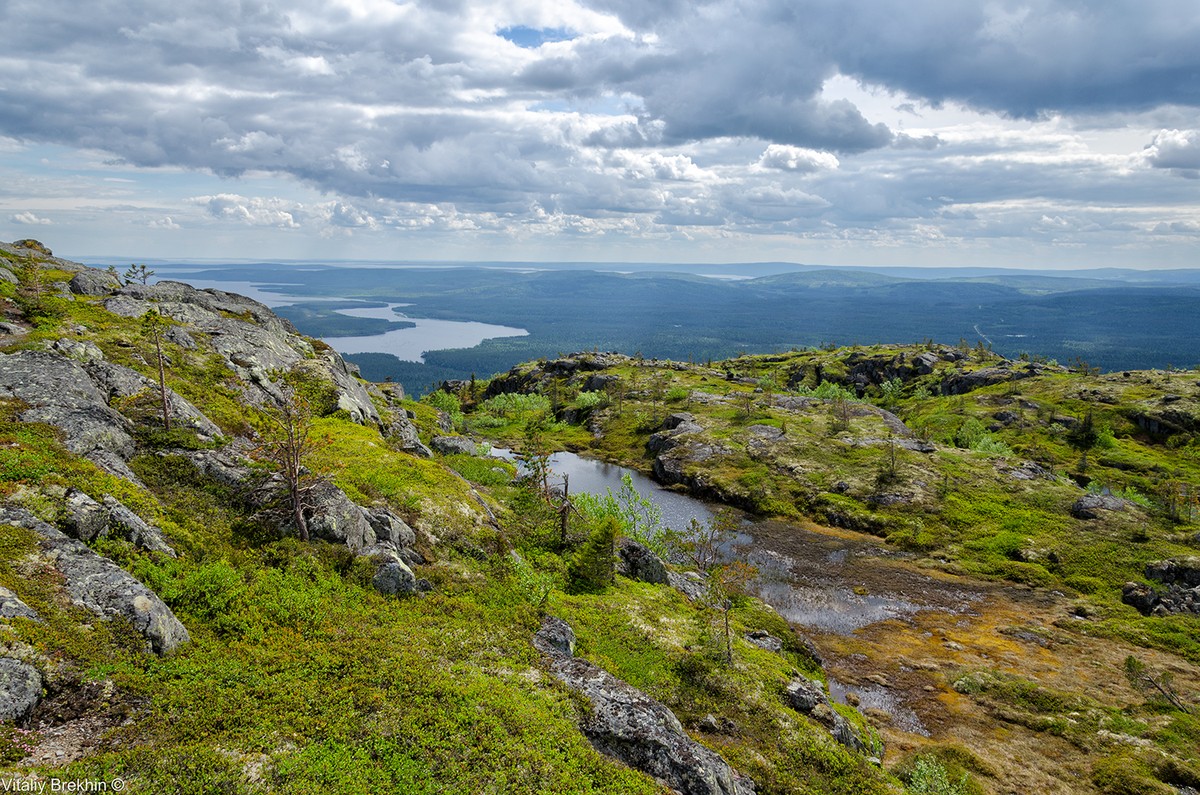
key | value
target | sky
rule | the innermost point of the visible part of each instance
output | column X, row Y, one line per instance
column 1045, row 133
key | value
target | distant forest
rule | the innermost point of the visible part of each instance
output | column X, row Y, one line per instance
column 1109, row 323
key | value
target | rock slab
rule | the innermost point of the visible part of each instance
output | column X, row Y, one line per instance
column 628, row 725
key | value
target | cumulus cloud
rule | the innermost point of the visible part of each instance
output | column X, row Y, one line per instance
column 619, row 117
column 794, row 158
column 29, row 219
column 255, row 211
column 1177, row 149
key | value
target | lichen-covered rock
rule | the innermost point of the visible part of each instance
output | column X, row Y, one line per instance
column 11, row 606
column 765, row 640
column 335, row 517
column 1184, row 571
column 85, row 519
column 390, row 528
column 392, row 576
column 637, row 562
column 20, row 689
column 101, row 586
column 59, row 392
column 95, row 282
column 688, row 583
column 808, row 698
column 253, row 340
column 140, row 533
column 117, row 381
column 454, row 445
column 628, row 725
column 1094, row 506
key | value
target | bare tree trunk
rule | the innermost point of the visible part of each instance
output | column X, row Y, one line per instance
column 162, row 382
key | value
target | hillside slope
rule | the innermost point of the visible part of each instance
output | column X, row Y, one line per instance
column 162, row 622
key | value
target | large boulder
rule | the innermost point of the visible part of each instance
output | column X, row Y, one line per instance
column 454, row 445
column 637, row 562
column 628, row 725
column 101, row 586
column 1095, row 506
column 95, row 282
column 335, row 517
column 20, row 689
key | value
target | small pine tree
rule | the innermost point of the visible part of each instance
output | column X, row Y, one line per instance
column 138, row 273
column 1083, row 437
column 593, row 568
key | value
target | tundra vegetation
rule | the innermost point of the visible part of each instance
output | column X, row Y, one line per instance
column 303, row 673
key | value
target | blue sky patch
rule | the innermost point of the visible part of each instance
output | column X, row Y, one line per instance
column 532, row 38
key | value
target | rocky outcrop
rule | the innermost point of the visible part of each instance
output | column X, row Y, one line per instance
column 1095, row 506
column 637, row 562
column 335, row 517
column 454, row 445
column 808, row 698
column 87, row 520
column 95, row 282
column 127, row 524
column 626, row 724
column 576, row 370
column 101, row 586
column 20, row 689
column 12, row 607
column 59, row 392
column 253, row 340
column 119, row 383
column 1181, row 594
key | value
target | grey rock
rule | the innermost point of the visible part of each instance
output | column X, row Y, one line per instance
column 628, row 725
column 1140, row 596
column 252, row 339
column 221, row 466
column 924, row 363
column 808, row 698
column 454, row 445
column 392, row 576
column 85, row 518
column 402, row 432
column 79, row 350
column 20, row 689
column 117, row 381
column 805, row 694
column 637, row 562
column 60, row 393
column 11, row 606
column 335, row 517
column 94, row 282
column 141, row 534
column 765, row 640
column 1094, row 506
column 8, row 276
column 555, row 636
column 101, row 586
column 688, row 583
column 1183, row 571
column 390, row 528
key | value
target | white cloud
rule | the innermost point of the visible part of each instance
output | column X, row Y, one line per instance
column 795, row 158
column 1175, row 149
column 30, row 219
